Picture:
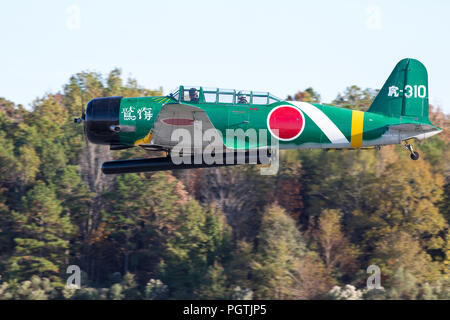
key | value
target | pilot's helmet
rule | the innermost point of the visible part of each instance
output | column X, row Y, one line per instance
column 192, row 91
column 241, row 96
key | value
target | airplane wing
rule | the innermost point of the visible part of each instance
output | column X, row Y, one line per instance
column 186, row 119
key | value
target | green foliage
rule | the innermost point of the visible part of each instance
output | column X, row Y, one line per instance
column 348, row 292
column 239, row 265
column 91, row 294
column 242, row 294
column 214, row 284
column 43, row 235
column 406, row 286
column 191, row 250
column 232, row 189
column 141, row 212
column 156, row 290
column 406, row 197
column 434, row 149
column 356, row 98
column 339, row 255
column 279, row 247
column 309, row 95
column 36, row 288
column 116, row 292
column 398, row 250
column 130, row 287
column 7, row 158
column 215, row 233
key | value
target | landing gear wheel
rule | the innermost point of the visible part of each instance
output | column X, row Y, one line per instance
column 415, row 155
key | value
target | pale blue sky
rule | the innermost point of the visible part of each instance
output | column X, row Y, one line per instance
column 277, row 46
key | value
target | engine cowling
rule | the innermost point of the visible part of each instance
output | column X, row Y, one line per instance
column 102, row 119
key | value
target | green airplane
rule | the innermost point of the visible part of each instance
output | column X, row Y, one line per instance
column 195, row 119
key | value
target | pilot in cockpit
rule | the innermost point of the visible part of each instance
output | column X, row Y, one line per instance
column 241, row 98
column 193, row 95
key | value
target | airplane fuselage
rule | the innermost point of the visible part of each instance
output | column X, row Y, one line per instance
column 300, row 124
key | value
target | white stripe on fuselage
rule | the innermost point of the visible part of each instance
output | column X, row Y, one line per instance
column 322, row 121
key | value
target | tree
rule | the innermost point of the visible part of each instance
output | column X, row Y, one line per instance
column 36, row 288
column 406, row 197
column 312, row 280
column 338, row 180
column 156, row 290
column 195, row 246
column 141, row 212
column 7, row 173
column 128, row 213
column 7, row 158
column 239, row 266
column 348, row 292
column 214, row 284
column 356, row 98
column 399, row 249
column 278, row 250
column 289, row 188
column 15, row 113
column 339, row 255
column 130, row 287
column 309, row 95
column 80, row 89
column 233, row 191
column 43, row 235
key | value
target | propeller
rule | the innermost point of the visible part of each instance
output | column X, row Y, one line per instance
column 83, row 114
column 81, row 119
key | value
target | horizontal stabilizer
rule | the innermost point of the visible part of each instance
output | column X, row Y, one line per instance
column 413, row 130
column 419, row 128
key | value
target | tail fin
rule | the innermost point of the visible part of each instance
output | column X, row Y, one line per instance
column 405, row 93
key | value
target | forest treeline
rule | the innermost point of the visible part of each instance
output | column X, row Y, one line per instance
column 309, row 232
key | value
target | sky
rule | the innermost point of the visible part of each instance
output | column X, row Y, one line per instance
column 278, row 46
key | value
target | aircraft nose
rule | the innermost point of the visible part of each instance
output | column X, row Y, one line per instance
column 102, row 116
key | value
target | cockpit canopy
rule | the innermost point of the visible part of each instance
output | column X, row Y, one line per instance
column 194, row 94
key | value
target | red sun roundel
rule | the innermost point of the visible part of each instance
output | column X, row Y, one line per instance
column 285, row 122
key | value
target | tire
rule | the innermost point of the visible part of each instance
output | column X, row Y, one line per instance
column 415, row 155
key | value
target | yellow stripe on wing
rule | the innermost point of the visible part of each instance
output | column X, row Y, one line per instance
column 357, row 129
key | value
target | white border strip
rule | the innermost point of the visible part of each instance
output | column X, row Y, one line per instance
column 322, row 121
